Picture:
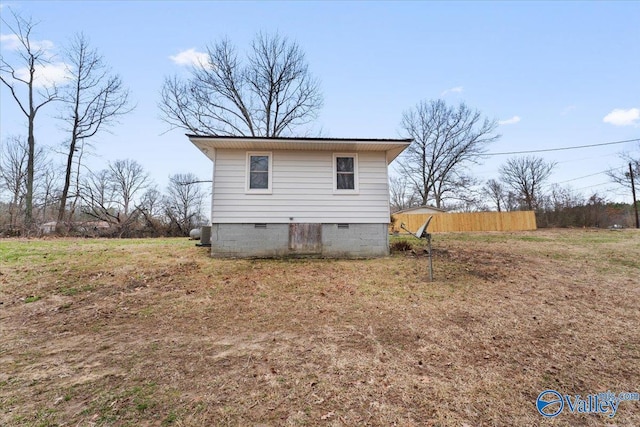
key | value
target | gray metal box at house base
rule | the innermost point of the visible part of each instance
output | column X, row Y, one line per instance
column 205, row 236
column 275, row 241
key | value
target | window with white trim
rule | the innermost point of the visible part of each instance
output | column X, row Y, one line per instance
column 258, row 172
column 345, row 173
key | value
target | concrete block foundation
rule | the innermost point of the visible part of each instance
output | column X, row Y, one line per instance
column 274, row 241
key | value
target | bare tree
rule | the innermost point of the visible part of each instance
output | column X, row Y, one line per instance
column 630, row 178
column 560, row 207
column 13, row 175
column 46, row 183
column 152, row 209
column 183, row 203
column 564, row 198
column 512, row 201
column 525, row 175
column 622, row 176
column 31, row 56
column 109, row 195
column 151, row 201
column 446, row 140
column 96, row 193
column 94, row 99
column 14, row 155
column 127, row 178
column 496, row 193
column 401, row 194
column 270, row 94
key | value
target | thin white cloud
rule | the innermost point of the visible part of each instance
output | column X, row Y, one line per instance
column 511, row 121
column 621, row 117
column 12, row 42
column 46, row 75
column 190, row 57
column 457, row 89
column 45, row 45
column 9, row 41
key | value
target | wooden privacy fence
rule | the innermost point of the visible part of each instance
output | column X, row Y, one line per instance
column 472, row 221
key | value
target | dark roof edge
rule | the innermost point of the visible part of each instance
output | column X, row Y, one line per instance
column 295, row 138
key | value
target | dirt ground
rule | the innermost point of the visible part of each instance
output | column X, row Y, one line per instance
column 155, row 333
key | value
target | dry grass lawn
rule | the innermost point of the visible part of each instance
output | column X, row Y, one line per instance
column 154, row 332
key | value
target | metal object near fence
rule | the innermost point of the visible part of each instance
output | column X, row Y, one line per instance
column 422, row 234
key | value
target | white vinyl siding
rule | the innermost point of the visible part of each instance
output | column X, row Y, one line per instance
column 302, row 189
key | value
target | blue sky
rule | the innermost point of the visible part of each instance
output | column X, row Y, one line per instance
column 551, row 72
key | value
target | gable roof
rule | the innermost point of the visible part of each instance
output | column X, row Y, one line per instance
column 393, row 147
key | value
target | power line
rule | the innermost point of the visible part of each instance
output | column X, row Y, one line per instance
column 591, row 186
column 580, row 177
column 575, row 147
column 572, row 160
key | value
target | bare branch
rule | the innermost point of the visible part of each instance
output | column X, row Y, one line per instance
column 621, row 175
column 525, row 175
column 446, row 140
column 31, row 55
column 126, row 178
column 271, row 94
column 94, row 100
column 183, row 203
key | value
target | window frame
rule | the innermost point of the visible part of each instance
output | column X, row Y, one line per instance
column 356, row 187
column 269, row 189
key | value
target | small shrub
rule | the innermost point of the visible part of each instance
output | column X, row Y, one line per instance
column 401, row 246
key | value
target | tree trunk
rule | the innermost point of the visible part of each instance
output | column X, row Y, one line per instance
column 28, row 210
column 67, row 183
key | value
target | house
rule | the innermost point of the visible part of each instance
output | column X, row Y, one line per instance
column 48, row 227
column 80, row 226
column 277, row 197
column 419, row 210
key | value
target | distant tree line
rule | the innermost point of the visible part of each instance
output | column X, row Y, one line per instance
column 523, row 184
column 40, row 193
column 118, row 201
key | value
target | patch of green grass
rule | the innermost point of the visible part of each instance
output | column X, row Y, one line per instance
column 18, row 251
column 65, row 306
column 125, row 405
column 13, row 251
column 634, row 263
column 69, row 291
column 482, row 237
column 534, row 239
column 170, row 419
column 596, row 237
column 31, row 298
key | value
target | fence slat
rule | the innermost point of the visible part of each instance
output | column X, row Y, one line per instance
column 469, row 221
